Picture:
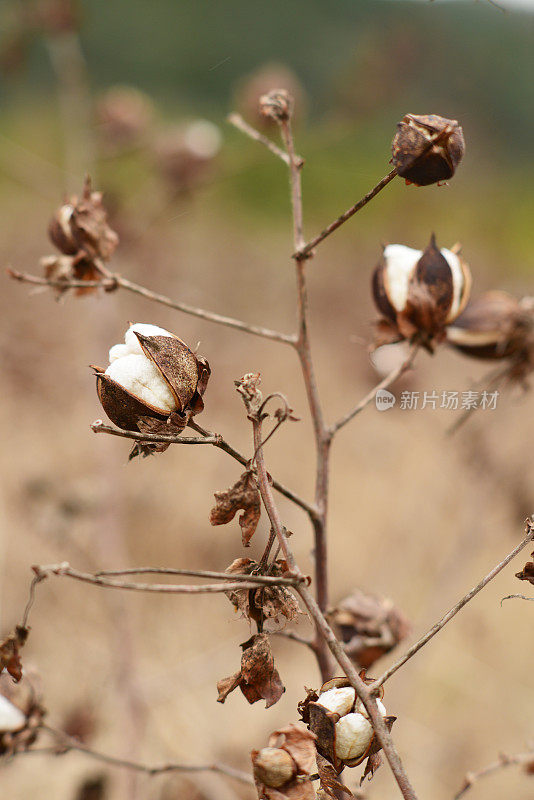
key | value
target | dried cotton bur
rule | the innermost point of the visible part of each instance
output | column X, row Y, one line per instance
column 10, row 652
column 80, row 231
column 271, row 607
column 258, row 677
column 427, row 148
column 495, row 326
column 419, row 293
column 21, row 714
column 369, row 626
column 282, row 769
column 344, row 734
column 153, row 384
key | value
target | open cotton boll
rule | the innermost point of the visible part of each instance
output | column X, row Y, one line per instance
column 400, row 262
column 118, row 351
column 339, row 701
column 131, row 340
column 11, row 717
column 360, row 708
column 139, row 376
column 353, row 736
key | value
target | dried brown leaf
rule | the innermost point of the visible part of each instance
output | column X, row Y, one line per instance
column 275, row 603
column 330, row 782
column 527, row 573
column 10, row 652
column 258, row 677
column 242, row 495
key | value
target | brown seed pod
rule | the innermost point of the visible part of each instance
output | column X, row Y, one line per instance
column 494, row 325
column 369, row 626
column 154, row 380
column 427, row 148
column 419, row 293
column 273, row 766
column 276, row 104
column 253, row 86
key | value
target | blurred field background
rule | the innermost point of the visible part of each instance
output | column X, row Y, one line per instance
column 416, row 515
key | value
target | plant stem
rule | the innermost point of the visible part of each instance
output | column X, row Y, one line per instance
column 321, row 434
column 456, row 608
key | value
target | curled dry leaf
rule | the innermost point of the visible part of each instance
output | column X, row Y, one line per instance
column 330, row 783
column 258, row 677
column 282, row 770
column 527, row 573
column 243, row 495
column 275, row 603
column 10, row 652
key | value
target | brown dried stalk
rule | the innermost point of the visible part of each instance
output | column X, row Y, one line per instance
column 113, row 281
column 100, row 579
column 456, row 608
column 504, row 761
column 238, row 122
column 324, row 629
column 66, row 744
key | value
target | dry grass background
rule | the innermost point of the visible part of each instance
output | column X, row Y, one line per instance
column 415, row 515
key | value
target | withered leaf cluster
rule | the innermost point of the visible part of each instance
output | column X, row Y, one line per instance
column 275, row 603
column 369, row 626
column 10, row 652
column 282, row 770
column 258, row 677
column 243, row 495
column 80, row 231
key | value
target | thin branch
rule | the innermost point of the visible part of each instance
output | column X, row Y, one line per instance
column 67, row 744
column 325, row 630
column 261, row 580
column 369, row 397
column 65, row 570
column 503, row 762
column 172, row 438
column 221, row 444
column 517, row 597
column 117, row 281
column 238, row 122
column 306, row 250
column 295, row 637
column 456, row 608
column 322, row 439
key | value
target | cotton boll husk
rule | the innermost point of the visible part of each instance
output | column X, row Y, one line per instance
column 339, row 701
column 457, row 281
column 353, row 736
column 138, row 375
column 11, row 717
column 131, row 340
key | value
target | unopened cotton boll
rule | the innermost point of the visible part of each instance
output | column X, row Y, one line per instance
column 338, row 701
column 11, row 717
column 353, row 736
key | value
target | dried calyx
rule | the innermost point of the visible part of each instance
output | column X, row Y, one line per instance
column 338, row 718
column 495, row 325
column 80, row 231
column 21, row 714
column 154, row 383
column 427, row 148
column 419, row 292
column 369, row 626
